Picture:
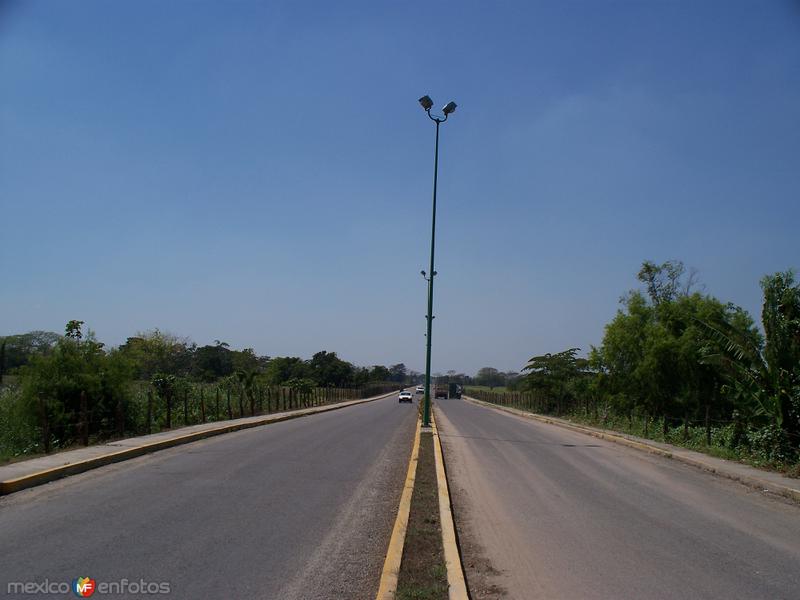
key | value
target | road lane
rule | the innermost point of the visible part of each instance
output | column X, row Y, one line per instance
column 548, row 513
column 301, row 509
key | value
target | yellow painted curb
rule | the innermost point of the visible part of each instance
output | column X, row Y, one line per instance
column 457, row 586
column 33, row 479
column 752, row 482
column 391, row 566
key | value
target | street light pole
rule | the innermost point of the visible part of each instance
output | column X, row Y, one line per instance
column 427, row 103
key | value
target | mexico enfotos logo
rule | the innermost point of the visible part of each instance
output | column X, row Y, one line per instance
column 85, row 587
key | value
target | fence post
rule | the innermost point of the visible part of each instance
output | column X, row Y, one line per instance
column 216, row 406
column 84, row 420
column 186, row 406
column 149, row 411
column 119, row 415
column 646, row 425
column 685, row 427
column 202, row 404
column 230, row 410
column 45, row 424
column 708, row 424
column 169, row 409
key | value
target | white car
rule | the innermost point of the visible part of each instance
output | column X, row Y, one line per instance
column 405, row 397
column 420, row 389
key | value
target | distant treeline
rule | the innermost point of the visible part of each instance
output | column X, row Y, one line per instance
column 64, row 389
column 147, row 354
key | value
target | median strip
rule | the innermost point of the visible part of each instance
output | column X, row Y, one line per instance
column 391, row 565
column 457, row 585
column 25, row 474
column 423, row 561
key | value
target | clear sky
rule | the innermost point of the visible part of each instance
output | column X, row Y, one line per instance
column 261, row 172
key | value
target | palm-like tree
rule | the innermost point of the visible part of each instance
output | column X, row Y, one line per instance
column 765, row 377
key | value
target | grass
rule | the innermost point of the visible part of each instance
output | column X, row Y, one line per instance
column 423, row 574
column 485, row 388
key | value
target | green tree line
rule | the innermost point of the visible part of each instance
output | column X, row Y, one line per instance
column 675, row 358
column 63, row 389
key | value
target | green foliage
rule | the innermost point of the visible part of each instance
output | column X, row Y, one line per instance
column 53, row 384
column 557, row 375
column 763, row 377
column 327, row 369
column 490, row 377
column 671, row 355
column 20, row 349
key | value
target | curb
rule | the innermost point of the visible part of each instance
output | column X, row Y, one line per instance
column 750, row 481
column 394, row 554
column 26, row 481
column 457, row 585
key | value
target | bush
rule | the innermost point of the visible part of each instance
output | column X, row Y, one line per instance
column 18, row 434
column 770, row 444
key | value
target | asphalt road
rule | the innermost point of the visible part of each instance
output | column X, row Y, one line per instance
column 548, row 513
column 301, row 509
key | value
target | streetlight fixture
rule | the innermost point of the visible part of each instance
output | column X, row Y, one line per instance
column 447, row 110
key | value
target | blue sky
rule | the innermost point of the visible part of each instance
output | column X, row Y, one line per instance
column 260, row 172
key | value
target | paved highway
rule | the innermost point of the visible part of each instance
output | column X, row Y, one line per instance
column 548, row 513
column 301, row 509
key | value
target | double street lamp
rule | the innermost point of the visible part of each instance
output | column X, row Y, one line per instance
column 448, row 109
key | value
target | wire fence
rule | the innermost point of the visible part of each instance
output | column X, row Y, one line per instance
column 143, row 411
column 684, row 429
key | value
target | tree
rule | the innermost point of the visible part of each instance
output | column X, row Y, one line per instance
column 662, row 281
column 398, row 372
column 490, row 377
column 54, row 383
column 212, row 362
column 327, row 369
column 555, row 373
column 380, row 373
column 159, row 352
column 283, row 368
column 21, row 348
column 764, row 378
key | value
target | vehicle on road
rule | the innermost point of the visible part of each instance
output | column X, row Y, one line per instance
column 405, row 397
column 420, row 389
column 440, row 391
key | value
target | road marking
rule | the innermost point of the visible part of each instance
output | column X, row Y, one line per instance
column 33, row 479
column 457, row 586
column 391, row 566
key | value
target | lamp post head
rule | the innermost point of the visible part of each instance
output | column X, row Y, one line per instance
column 426, row 102
column 450, row 107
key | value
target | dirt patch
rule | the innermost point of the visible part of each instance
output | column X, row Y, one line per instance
column 481, row 576
column 423, row 574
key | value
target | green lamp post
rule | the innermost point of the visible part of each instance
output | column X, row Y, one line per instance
column 448, row 109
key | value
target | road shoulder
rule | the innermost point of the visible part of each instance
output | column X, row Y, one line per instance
column 764, row 481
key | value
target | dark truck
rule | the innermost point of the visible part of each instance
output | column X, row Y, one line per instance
column 446, row 390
